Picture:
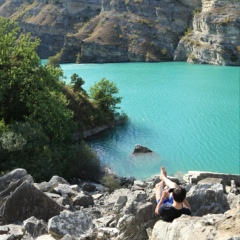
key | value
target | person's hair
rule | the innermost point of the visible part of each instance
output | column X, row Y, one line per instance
column 179, row 194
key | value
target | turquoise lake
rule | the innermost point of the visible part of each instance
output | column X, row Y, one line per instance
column 187, row 114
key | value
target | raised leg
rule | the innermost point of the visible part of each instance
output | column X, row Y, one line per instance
column 159, row 190
column 167, row 181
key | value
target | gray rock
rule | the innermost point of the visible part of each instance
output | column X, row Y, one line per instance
column 234, row 188
column 67, row 237
column 54, row 182
column 141, row 196
column 65, row 201
column 107, row 233
column 54, row 196
column 126, row 181
column 74, row 187
column 35, row 227
column 83, row 199
column 7, row 237
column 89, row 187
column 14, row 232
column 46, row 186
column 65, row 189
column 76, row 224
column 97, row 196
column 111, row 199
column 233, row 200
column 196, row 176
column 211, row 226
column 140, row 184
column 45, row 237
column 58, row 180
column 27, row 201
column 104, row 221
column 4, row 230
column 10, row 181
column 134, row 226
column 207, row 197
column 120, row 203
column 13, row 176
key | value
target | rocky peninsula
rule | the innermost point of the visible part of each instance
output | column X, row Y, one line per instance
column 87, row 31
column 88, row 211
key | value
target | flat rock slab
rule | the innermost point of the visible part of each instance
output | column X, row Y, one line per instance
column 3, row 230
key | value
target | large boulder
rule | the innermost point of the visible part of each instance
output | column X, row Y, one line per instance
column 208, row 196
column 211, row 227
column 195, row 176
column 27, row 201
column 54, row 182
column 65, row 190
column 77, row 224
column 135, row 213
column 12, row 180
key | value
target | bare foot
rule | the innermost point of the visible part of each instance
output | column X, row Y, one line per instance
column 163, row 173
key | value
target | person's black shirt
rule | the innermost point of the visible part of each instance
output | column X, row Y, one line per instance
column 168, row 213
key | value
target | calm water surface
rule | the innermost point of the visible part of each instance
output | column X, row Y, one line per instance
column 187, row 114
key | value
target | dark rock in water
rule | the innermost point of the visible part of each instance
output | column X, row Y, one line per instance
column 140, row 149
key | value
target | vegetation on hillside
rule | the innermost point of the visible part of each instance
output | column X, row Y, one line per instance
column 39, row 113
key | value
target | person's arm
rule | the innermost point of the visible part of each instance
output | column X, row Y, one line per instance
column 186, row 204
column 160, row 203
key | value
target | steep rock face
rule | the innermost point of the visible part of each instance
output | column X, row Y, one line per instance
column 50, row 20
column 103, row 30
column 215, row 38
column 135, row 30
column 131, row 30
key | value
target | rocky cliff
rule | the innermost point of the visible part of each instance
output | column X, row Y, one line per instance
column 215, row 36
column 131, row 30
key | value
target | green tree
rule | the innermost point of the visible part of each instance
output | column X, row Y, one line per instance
column 28, row 90
column 18, row 62
column 36, row 123
column 105, row 94
column 77, row 83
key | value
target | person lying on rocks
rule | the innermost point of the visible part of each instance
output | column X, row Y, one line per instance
column 171, row 202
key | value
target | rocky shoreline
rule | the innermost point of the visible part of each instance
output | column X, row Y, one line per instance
column 89, row 211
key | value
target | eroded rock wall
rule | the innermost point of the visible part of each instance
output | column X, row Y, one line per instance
column 215, row 37
column 50, row 20
column 132, row 30
column 137, row 30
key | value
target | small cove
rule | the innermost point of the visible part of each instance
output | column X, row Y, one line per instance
column 187, row 114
